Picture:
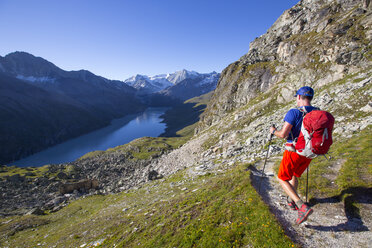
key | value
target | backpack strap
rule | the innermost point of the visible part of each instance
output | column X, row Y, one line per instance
column 304, row 112
column 325, row 136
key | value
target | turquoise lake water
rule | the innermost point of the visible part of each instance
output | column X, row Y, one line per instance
column 119, row 132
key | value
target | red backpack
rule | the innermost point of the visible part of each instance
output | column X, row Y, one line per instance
column 316, row 134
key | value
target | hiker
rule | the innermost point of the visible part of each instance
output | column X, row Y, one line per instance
column 293, row 164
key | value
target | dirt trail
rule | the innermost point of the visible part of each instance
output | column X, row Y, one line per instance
column 328, row 226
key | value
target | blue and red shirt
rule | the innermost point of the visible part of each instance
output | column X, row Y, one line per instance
column 294, row 117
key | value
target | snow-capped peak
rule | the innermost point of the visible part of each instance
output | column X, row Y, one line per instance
column 211, row 78
column 178, row 76
column 156, row 77
column 151, row 84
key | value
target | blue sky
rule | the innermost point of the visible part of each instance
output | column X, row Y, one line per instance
column 118, row 39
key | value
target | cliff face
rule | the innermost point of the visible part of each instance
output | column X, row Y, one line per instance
column 314, row 43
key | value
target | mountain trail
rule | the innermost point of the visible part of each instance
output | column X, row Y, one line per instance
column 330, row 225
column 180, row 158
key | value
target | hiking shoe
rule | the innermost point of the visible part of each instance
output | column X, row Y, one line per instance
column 303, row 213
column 292, row 205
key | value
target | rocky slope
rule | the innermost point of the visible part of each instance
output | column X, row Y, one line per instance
column 314, row 43
column 324, row 44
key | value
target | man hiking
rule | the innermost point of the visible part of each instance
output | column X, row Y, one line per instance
column 293, row 164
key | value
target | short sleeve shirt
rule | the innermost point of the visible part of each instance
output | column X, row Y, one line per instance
column 294, row 117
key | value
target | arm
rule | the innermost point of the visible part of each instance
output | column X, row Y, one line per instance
column 284, row 132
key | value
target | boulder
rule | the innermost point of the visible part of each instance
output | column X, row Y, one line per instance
column 36, row 211
column 30, row 174
column 154, row 175
column 367, row 108
column 62, row 175
column 15, row 178
column 81, row 185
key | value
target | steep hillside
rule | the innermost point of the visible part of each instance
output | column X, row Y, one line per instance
column 108, row 99
column 55, row 104
column 314, row 43
column 51, row 118
column 202, row 192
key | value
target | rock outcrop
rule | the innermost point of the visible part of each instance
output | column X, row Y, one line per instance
column 314, row 43
column 83, row 185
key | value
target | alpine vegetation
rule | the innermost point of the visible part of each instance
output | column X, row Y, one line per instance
column 206, row 186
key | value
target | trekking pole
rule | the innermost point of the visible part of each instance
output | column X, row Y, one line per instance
column 267, row 154
column 307, row 181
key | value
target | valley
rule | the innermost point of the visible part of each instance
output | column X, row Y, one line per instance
column 196, row 184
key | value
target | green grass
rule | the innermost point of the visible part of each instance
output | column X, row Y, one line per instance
column 357, row 169
column 28, row 172
column 355, row 156
column 225, row 213
column 147, row 147
column 351, row 182
column 201, row 100
column 354, row 177
column 181, row 122
column 213, row 211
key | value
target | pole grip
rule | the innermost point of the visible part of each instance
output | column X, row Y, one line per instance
column 271, row 136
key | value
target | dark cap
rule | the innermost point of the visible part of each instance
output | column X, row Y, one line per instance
column 305, row 91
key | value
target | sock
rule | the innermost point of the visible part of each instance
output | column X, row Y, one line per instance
column 299, row 203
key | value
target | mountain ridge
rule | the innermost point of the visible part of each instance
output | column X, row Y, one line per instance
column 158, row 83
column 84, row 91
column 303, row 47
column 99, row 100
column 171, row 199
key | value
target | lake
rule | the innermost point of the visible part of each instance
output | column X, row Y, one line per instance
column 119, row 132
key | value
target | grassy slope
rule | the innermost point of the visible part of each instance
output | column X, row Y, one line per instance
column 224, row 211
column 185, row 116
column 189, row 112
column 178, row 131
column 354, row 178
column 346, row 177
column 208, row 211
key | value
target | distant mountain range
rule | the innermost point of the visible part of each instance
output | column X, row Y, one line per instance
column 182, row 84
column 191, row 85
column 42, row 105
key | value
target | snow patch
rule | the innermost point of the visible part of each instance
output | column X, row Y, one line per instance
column 212, row 78
column 36, row 79
column 162, row 81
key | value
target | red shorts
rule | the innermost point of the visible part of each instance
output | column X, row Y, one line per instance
column 292, row 165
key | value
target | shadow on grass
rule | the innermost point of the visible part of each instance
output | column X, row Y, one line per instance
column 263, row 187
column 181, row 116
column 349, row 197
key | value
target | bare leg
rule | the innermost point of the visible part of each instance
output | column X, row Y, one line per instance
column 290, row 189
column 294, row 183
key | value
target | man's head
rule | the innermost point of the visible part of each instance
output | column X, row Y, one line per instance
column 304, row 96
